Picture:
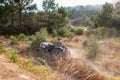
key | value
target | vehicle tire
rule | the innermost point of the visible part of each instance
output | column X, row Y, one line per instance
column 40, row 52
column 56, row 54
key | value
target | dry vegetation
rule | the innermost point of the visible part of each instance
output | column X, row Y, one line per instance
column 105, row 65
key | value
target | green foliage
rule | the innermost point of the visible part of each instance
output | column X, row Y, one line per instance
column 117, row 7
column 49, row 5
column 1, row 47
column 85, row 43
column 53, row 20
column 65, row 32
column 21, row 36
column 116, row 21
column 38, row 37
column 104, row 17
column 55, row 33
column 30, row 22
column 45, row 71
column 13, row 39
column 79, row 30
column 13, row 54
column 93, row 49
column 78, row 11
column 63, row 11
column 103, row 32
column 83, row 20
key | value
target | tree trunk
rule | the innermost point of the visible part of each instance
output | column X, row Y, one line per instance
column 12, row 15
column 20, row 19
column 12, row 19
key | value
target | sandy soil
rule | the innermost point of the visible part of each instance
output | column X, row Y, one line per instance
column 11, row 71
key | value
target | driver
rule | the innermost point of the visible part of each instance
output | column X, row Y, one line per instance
column 59, row 43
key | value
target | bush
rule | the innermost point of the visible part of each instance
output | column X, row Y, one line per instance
column 79, row 31
column 116, row 21
column 65, row 32
column 38, row 37
column 13, row 39
column 13, row 54
column 93, row 50
column 103, row 32
column 1, row 47
column 45, row 71
column 55, row 33
column 21, row 36
column 85, row 43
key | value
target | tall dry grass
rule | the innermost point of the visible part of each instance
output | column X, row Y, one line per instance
column 77, row 70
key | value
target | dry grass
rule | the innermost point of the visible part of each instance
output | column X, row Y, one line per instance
column 109, row 59
column 74, row 42
column 77, row 70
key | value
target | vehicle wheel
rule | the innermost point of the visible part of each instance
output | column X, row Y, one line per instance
column 40, row 52
column 56, row 54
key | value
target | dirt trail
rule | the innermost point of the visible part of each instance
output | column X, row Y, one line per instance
column 11, row 71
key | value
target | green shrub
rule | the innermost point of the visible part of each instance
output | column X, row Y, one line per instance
column 93, row 50
column 21, row 36
column 85, row 43
column 1, row 47
column 65, row 32
column 38, row 37
column 45, row 71
column 79, row 30
column 55, row 33
column 31, row 38
column 103, row 32
column 13, row 39
column 13, row 54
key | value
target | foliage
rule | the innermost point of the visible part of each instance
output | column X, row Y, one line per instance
column 55, row 33
column 85, row 43
column 117, row 8
column 38, row 37
column 1, row 46
column 13, row 54
column 49, row 5
column 83, row 20
column 28, row 21
column 13, row 39
column 53, row 20
column 11, row 8
column 79, row 30
column 21, row 36
column 103, row 32
column 92, row 48
column 116, row 21
column 104, row 17
column 78, row 11
column 65, row 32
column 43, row 70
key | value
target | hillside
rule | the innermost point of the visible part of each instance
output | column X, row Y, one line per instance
column 11, row 71
column 59, row 42
column 81, row 67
